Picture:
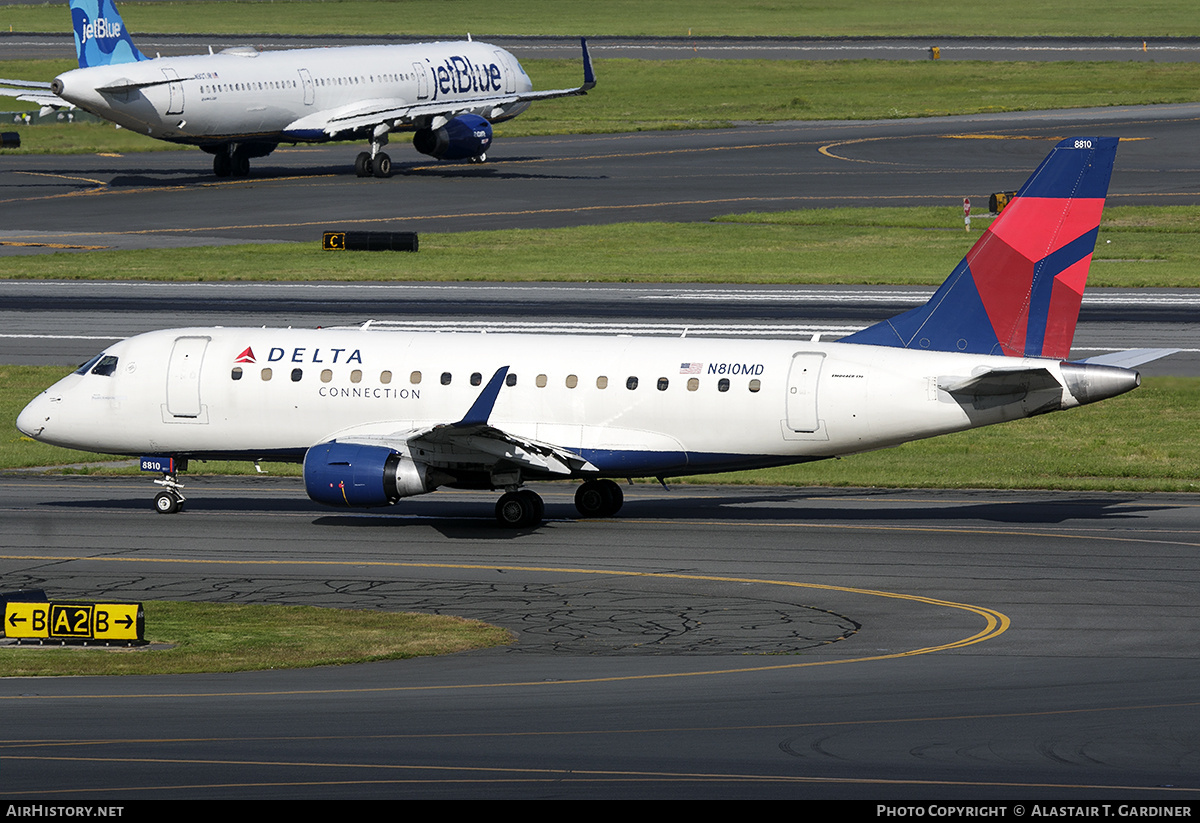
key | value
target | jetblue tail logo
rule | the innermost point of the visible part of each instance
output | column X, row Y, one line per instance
column 1018, row 290
column 100, row 35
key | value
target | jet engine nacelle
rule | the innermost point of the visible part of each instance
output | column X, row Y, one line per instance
column 465, row 136
column 349, row 474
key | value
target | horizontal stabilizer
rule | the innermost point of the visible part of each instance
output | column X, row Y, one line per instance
column 1129, row 358
column 1000, row 382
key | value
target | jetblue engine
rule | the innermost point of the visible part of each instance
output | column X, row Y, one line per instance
column 349, row 474
column 465, row 136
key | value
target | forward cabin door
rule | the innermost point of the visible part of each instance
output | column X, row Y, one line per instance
column 183, row 379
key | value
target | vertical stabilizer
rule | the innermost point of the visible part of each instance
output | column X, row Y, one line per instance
column 1018, row 290
column 100, row 35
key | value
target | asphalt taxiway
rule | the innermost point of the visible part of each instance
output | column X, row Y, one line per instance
column 708, row 642
column 164, row 199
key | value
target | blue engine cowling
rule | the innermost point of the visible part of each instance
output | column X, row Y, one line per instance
column 349, row 474
column 467, row 135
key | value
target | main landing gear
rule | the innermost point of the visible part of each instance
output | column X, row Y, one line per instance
column 170, row 500
column 599, row 498
column 520, row 509
column 375, row 162
column 379, row 166
column 524, row 509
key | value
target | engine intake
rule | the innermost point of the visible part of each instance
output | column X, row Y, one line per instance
column 465, row 136
column 349, row 474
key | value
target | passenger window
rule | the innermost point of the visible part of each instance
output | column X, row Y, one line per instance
column 445, row 378
column 476, row 378
column 511, row 380
column 297, row 374
column 755, row 384
column 236, row 374
column 572, row 381
column 693, row 383
column 385, row 377
column 663, row 383
column 723, row 384
column 326, row 375
column 602, row 382
column 414, row 378
column 266, row 374
column 541, row 381
column 631, row 383
column 356, row 376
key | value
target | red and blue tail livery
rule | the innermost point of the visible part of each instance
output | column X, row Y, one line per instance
column 1018, row 290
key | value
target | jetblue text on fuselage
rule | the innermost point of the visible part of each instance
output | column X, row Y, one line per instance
column 459, row 75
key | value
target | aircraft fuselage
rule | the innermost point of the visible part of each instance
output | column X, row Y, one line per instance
column 630, row 406
column 243, row 94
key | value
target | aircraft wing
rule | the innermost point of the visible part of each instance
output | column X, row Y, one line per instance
column 396, row 112
column 472, row 444
column 32, row 91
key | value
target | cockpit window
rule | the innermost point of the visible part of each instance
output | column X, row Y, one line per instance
column 104, row 365
column 87, row 367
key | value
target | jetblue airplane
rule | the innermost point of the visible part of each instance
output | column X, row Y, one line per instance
column 377, row 415
column 241, row 103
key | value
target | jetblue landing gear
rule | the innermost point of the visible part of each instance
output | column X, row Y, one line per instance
column 379, row 166
column 375, row 162
column 599, row 498
column 520, row 510
column 482, row 158
column 170, row 500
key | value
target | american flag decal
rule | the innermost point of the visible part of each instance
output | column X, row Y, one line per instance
column 690, row 368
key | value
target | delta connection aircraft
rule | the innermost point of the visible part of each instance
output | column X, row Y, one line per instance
column 240, row 103
column 377, row 415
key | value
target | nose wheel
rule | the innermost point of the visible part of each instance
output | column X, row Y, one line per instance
column 169, row 500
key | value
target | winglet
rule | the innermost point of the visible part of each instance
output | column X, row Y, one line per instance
column 1018, row 290
column 481, row 410
column 589, row 76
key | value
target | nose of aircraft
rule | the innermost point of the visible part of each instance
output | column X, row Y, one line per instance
column 32, row 420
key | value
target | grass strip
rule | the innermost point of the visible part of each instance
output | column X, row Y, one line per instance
column 228, row 637
column 1139, row 246
column 632, row 17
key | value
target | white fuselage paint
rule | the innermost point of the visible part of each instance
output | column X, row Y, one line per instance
column 173, row 392
column 246, row 94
